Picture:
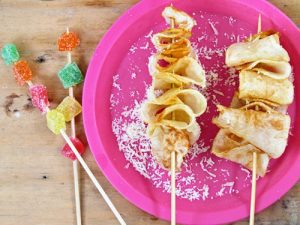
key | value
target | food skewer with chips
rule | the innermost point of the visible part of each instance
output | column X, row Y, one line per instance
column 173, row 105
column 255, row 128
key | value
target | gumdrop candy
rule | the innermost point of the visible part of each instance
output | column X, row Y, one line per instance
column 69, row 107
column 39, row 97
column 70, row 75
column 22, row 72
column 68, row 41
column 67, row 151
column 10, row 54
column 55, row 121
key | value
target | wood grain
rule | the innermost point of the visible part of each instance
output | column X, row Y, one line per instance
column 36, row 183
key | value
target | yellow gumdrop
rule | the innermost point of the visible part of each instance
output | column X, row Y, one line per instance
column 69, row 107
column 55, row 121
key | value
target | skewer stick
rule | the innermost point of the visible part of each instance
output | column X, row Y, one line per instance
column 173, row 189
column 93, row 178
column 173, row 172
column 75, row 162
column 259, row 24
column 253, row 190
column 254, row 166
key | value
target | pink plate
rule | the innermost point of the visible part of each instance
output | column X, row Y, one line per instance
column 210, row 190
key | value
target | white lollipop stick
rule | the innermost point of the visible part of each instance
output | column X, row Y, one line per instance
column 254, row 166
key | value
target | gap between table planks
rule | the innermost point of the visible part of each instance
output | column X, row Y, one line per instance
column 36, row 182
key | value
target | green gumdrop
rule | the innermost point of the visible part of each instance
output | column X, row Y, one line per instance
column 10, row 54
column 70, row 75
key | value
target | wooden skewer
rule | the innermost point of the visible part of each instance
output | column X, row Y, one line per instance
column 93, row 178
column 254, row 166
column 259, row 24
column 75, row 162
column 173, row 188
column 173, row 171
column 253, row 190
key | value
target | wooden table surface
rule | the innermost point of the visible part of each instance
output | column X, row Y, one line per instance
column 36, row 183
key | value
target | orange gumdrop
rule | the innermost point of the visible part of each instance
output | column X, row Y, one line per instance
column 68, row 41
column 22, row 72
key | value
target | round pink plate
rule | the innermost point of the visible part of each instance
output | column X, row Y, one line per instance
column 209, row 190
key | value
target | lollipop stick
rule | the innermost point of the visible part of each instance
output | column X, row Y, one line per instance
column 93, row 178
column 254, row 166
column 75, row 162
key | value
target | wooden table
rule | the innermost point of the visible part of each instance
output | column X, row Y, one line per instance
column 36, row 183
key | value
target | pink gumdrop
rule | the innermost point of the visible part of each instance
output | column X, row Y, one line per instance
column 39, row 97
column 67, row 151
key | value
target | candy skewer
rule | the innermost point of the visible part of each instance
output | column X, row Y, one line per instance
column 75, row 162
column 254, row 163
column 173, row 174
column 55, row 119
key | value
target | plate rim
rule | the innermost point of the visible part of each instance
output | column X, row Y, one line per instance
column 112, row 175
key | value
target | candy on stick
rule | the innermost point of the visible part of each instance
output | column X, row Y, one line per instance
column 68, row 41
column 10, row 54
column 67, row 151
column 70, row 75
column 69, row 107
column 22, row 72
column 56, row 123
column 39, row 97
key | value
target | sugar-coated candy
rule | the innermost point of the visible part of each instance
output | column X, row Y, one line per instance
column 69, row 107
column 39, row 97
column 67, row 151
column 10, row 54
column 68, row 41
column 55, row 121
column 70, row 75
column 22, row 72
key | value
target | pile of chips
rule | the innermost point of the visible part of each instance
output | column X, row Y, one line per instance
column 69, row 75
